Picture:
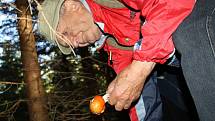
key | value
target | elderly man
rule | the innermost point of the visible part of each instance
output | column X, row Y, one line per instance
column 74, row 23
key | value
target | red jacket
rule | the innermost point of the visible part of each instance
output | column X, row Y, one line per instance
column 162, row 18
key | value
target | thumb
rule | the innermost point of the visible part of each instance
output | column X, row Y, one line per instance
column 111, row 87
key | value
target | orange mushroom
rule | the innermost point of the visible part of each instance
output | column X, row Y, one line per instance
column 97, row 104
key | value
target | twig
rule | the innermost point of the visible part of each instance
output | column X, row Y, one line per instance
column 14, row 6
column 11, row 83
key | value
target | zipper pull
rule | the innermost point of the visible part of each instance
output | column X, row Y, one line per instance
column 110, row 58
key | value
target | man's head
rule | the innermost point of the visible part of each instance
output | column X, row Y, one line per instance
column 66, row 22
column 48, row 20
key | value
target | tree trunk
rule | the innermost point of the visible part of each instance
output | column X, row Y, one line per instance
column 35, row 91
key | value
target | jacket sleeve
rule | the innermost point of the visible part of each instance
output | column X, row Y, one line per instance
column 162, row 19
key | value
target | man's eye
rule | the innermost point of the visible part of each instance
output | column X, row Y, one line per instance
column 65, row 33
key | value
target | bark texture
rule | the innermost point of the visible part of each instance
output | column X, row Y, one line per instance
column 34, row 88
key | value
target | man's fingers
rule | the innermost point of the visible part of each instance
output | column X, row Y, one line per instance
column 91, row 35
column 128, row 104
column 97, row 32
column 76, row 31
column 123, row 104
column 83, row 45
column 120, row 105
column 75, row 43
column 113, row 97
column 112, row 101
column 87, row 36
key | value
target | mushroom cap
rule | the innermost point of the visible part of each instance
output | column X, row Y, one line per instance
column 97, row 105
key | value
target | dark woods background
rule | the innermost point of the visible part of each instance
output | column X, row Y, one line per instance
column 69, row 82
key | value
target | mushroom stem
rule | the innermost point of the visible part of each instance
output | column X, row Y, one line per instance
column 106, row 97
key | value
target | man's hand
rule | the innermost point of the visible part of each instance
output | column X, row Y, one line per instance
column 128, row 84
column 76, row 25
column 87, row 37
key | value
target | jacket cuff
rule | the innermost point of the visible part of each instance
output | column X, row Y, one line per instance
column 157, row 55
column 138, row 56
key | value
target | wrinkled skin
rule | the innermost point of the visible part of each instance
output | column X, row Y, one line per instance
column 128, row 84
column 77, row 24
